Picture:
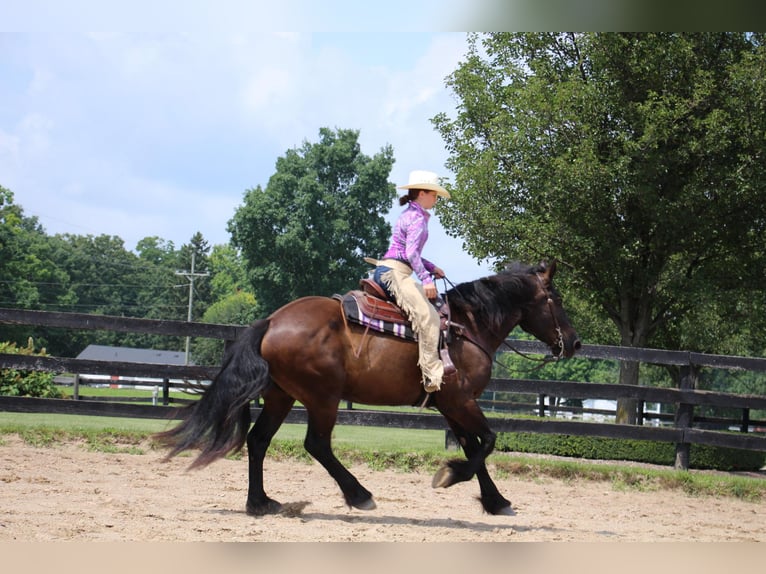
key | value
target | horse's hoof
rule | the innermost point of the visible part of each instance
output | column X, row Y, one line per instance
column 269, row 506
column 368, row 504
column 443, row 478
column 505, row 511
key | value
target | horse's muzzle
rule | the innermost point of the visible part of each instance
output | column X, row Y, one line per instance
column 566, row 347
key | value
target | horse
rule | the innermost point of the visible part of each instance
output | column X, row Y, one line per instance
column 306, row 351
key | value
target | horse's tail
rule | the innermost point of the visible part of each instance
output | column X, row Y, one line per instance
column 218, row 423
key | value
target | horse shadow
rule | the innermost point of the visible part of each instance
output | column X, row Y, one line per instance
column 296, row 510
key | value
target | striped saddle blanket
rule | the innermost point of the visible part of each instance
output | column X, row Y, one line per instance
column 374, row 313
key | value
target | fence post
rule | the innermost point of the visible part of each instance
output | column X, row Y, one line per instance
column 450, row 440
column 685, row 414
column 745, row 420
column 541, row 405
column 76, row 387
column 166, row 391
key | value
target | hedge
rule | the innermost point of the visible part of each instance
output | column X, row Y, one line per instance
column 663, row 453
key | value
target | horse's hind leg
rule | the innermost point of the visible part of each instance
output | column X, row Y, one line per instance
column 318, row 444
column 276, row 405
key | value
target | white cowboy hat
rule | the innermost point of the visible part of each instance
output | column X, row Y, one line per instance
column 427, row 180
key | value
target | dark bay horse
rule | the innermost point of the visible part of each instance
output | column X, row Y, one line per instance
column 306, row 352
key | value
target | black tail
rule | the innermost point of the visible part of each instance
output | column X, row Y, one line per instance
column 218, row 423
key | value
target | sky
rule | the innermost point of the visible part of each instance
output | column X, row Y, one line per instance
column 148, row 118
column 154, row 133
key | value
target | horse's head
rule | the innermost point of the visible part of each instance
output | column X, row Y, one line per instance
column 545, row 317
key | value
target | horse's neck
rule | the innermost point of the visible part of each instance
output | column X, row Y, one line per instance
column 490, row 338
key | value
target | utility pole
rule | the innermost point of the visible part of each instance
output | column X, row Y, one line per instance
column 191, row 276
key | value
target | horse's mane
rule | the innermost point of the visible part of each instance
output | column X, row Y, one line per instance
column 489, row 299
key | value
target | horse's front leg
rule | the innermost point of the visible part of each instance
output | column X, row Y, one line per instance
column 491, row 499
column 276, row 406
column 478, row 441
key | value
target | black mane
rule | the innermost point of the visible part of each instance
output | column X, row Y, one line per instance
column 489, row 299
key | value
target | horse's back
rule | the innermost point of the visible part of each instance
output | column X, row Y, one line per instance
column 308, row 313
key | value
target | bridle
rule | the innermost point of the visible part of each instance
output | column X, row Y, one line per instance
column 560, row 342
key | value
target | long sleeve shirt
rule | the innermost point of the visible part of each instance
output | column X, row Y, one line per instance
column 408, row 238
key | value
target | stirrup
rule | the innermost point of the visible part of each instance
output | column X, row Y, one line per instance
column 450, row 372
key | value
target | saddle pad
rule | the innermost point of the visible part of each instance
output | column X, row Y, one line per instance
column 352, row 309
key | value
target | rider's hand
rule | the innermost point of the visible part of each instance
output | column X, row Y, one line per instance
column 430, row 290
column 438, row 273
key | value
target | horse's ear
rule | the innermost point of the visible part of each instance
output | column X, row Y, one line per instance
column 549, row 270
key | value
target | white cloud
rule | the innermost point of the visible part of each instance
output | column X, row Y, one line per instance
column 160, row 134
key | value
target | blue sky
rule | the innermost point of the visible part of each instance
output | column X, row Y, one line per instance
column 150, row 133
column 157, row 123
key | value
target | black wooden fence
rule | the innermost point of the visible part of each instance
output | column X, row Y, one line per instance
column 685, row 430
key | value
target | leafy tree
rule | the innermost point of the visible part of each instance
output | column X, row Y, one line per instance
column 155, row 250
column 227, row 272
column 102, row 273
column 30, row 275
column 104, row 279
column 308, row 230
column 637, row 159
column 161, row 295
column 238, row 308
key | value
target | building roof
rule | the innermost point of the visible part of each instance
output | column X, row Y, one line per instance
column 131, row 355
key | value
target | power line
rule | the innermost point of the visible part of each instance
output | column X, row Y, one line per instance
column 191, row 276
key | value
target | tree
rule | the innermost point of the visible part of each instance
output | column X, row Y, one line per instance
column 227, row 272
column 161, row 295
column 637, row 159
column 238, row 308
column 104, row 278
column 30, row 274
column 320, row 214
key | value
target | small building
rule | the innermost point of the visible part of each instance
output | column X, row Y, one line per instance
column 128, row 355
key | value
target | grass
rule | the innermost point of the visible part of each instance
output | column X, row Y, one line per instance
column 635, row 478
column 405, row 450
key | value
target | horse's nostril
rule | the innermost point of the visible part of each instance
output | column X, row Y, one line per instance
column 577, row 345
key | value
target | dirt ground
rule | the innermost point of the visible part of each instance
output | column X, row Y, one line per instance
column 67, row 493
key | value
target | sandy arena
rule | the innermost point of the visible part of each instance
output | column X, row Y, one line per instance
column 67, row 493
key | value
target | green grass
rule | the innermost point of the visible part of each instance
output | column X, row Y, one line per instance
column 405, row 450
column 393, row 439
column 625, row 477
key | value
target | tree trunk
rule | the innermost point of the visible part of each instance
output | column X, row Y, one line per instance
column 634, row 330
column 626, row 408
column 685, row 413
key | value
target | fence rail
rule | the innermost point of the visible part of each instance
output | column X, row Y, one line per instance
column 683, row 400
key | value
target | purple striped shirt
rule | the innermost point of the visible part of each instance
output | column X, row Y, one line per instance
column 407, row 241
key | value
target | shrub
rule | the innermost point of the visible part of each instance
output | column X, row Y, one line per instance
column 26, row 383
column 700, row 456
